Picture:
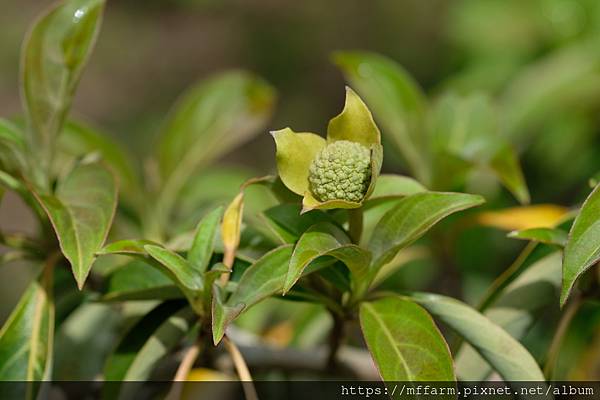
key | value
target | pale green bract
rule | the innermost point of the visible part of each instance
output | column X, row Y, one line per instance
column 341, row 171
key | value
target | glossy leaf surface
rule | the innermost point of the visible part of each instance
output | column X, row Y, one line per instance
column 411, row 217
column 583, row 246
column 81, row 211
column 54, row 55
column 262, row 279
column 404, row 341
column 26, row 341
column 506, row 355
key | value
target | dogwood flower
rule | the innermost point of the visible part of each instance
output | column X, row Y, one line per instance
column 337, row 172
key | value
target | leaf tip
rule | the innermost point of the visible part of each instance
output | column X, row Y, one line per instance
column 305, row 209
column 217, row 337
column 478, row 199
column 287, row 287
column 278, row 132
column 80, row 282
column 564, row 294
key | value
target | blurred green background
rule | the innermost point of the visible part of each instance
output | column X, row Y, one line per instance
column 149, row 52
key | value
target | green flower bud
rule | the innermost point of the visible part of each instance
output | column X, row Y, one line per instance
column 337, row 172
column 341, row 171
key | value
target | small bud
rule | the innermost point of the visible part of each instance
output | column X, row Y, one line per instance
column 341, row 171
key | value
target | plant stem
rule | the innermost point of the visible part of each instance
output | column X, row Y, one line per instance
column 505, row 278
column 183, row 371
column 336, row 338
column 228, row 260
column 187, row 362
column 241, row 368
column 355, row 224
column 557, row 340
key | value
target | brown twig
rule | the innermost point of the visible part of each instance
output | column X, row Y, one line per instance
column 241, row 368
column 183, row 371
column 187, row 362
column 336, row 337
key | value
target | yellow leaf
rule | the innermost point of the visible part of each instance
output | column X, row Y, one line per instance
column 517, row 218
column 231, row 228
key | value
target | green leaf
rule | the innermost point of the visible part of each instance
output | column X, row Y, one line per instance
column 326, row 239
column 390, row 186
column 583, row 247
column 54, row 55
column 517, row 307
column 404, row 341
column 81, row 211
column 262, row 279
column 136, row 280
column 224, row 181
column 195, row 201
column 565, row 80
column 506, row 355
column 210, row 277
column 395, row 99
column 290, row 224
column 7, row 181
column 127, row 247
column 222, row 313
column 78, row 139
column 26, row 340
column 505, row 165
column 204, row 240
column 355, row 123
column 212, row 118
column 543, row 235
column 12, row 148
column 146, row 343
column 176, row 266
column 467, row 128
column 295, row 153
column 411, row 217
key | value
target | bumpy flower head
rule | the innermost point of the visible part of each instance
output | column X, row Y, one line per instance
column 341, row 171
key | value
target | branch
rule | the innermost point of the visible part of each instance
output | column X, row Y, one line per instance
column 336, row 337
column 242, row 369
column 351, row 361
column 183, row 371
